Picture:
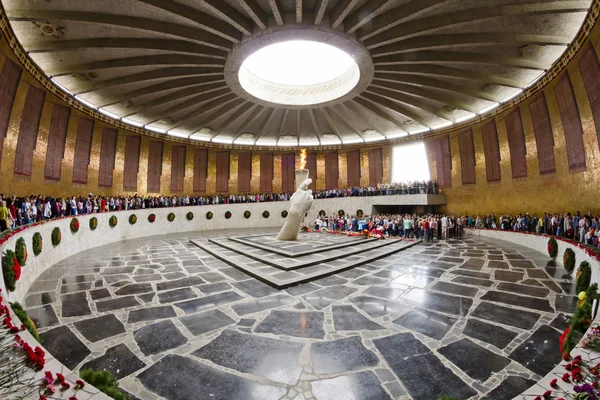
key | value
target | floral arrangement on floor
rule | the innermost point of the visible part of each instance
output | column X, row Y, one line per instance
column 580, row 321
column 37, row 243
column 112, row 221
column 583, row 375
column 591, row 340
column 151, row 218
column 569, row 260
column 56, row 236
column 25, row 320
column 583, row 277
column 189, row 216
column 11, row 270
column 74, row 225
column 284, row 214
column 132, row 219
column 247, row 214
column 227, row 214
column 103, row 381
column 171, row 217
column 93, row 223
column 209, row 215
column 552, row 247
column 341, row 213
column 265, row 214
column 21, row 251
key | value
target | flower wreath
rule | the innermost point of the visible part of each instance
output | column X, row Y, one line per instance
column 227, row 214
column 113, row 221
column 359, row 213
column 569, row 260
column 93, row 223
column 74, row 225
column 21, row 251
column 265, row 214
column 209, row 215
column 189, row 216
column 10, row 269
column 56, row 236
column 552, row 247
column 284, row 213
column 322, row 212
column 171, row 217
column 132, row 219
column 341, row 213
column 37, row 243
column 583, row 277
column 151, row 218
column 247, row 214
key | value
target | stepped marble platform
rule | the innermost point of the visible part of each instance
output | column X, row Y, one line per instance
column 282, row 264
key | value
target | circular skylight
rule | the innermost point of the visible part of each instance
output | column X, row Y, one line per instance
column 299, row 72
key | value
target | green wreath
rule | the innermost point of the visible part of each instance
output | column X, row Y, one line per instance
column 151, row 218
column 113, row 221
column 265, row 214
column 132, row 219
column 569, row 259
column 209, row 215
column 227, row 214
column 284, row 213
column 322, row 212
column 21, row 251
column 37, row 243
column 56, row 236
column 8, row 270
column 341, row 213
column 552, row 247
column 189, row 216
column 359, row 213
column 583, row 277
column 93, row 223
column 74, row 225
column 247, row 214
column 171, row 217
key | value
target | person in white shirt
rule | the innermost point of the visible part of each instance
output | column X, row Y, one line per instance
column 444, row 227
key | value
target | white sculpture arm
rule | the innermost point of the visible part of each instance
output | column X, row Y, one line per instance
column 300, row 203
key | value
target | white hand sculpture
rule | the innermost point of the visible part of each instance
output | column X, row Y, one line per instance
column 300, row 203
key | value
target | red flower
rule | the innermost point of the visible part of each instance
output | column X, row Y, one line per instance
column 547, row 394
column 577, row 358
column 80, row 383
column 50, row 389
column 565, row 377
column 567, row 356
column 14, row 329
column 65, row 385
column 23, row 327
column 72, row 398
column 48, row 375
column 17, row 269
column 538, row 398
column 553, row 382
column 60, row 377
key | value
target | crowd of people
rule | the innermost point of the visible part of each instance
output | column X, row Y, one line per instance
column 18, row 211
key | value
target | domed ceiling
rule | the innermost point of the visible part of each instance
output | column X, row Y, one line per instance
column 171, row 66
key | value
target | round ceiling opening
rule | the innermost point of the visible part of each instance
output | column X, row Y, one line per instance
column 299, row 72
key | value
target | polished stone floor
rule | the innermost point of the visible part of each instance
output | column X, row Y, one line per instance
column 469, row 318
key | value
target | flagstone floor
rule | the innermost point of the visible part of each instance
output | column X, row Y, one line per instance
column 470, row 318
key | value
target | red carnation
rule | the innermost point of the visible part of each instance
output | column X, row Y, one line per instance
column 17, row 269
column 50, row 389
column 48, row 375
column 553, row 382
column 565, row 377
column 14, row 329
column 60, row 377
column 547, row 394
column 65, row 385
column 80, row 383
column 72, row 398
column 577, row 358
column 567, row 356
column 537, row 398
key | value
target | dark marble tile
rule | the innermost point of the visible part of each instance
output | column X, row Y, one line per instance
column 474, row 264
column 212, row 277
column 307, row 324
column 135, row 288
column 413, row 279
column 455, row 289
column 203, row 303
column 274, row 359
column 384, row 292
column 514, row 256
column 476, row 361
column 158, row 337
column 299, row 290
column 99, row 328
column 495, row 257
column 566, row 304
column 326, row 296
column 341, row 355
column 451, row 259
column 75, row 305
column 117, row 271
column 473, row 281
column 180, row 378
column 352, row 273
column 510, row 388
column 561, row 322
column 246, row 322
column 498, row 265
column 520, row 301
column 116, row 304
column 427, row 323
column 441, row 265
column 146, row 298
column 117, row 360
column 522, row 264
column 387, row 274
column 173, row 275
column 64, row 346
column 252, row 306
column 363, row 385
column 151, row 313
column 378, row 307
column 176, row 295
column 532, row 282
column 234, row 273
column 557, row 272
column 424, row 376
column 185, row 282
column 255, row 288
column 330, row 281
column 504, row 315
column 43, row 317
column 121, row 283
column 346, row 318
column 471, row 274
column 438, row 302
column 537, row 273
column 492, row 334
column 569, row 287
column 148, row 278
column 539, row 353
column 521, row 289
column 75, row 287
column 39, row 299
column 368, row 280
column 207, row 321
column 99, row 294
column 210, row 288
column 300, row 306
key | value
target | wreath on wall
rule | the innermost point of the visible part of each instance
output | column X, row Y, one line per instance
column 113, row 221
column 341, row 213
column 37, row 243
column 189, row 216
column 583, row 277
column 265, row 214
column 74, row 225
column 11, row 270
column 209, row 215
column 247, row 214
column 93, row 223
column 284, row 213
column 56, row 236
column 569, row 260
column 359, row 213
column 132, row 219
column 21, row 251
column 552, row 248
column 151, row 218
column 171, row 217
column 227, row 214
column 322, row 212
